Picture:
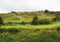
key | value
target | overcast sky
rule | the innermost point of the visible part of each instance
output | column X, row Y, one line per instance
column 29, row 5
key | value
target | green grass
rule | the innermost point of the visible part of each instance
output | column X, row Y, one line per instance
column 29, row 33
column 54, row 25
column 20, row 17
column 25, row 17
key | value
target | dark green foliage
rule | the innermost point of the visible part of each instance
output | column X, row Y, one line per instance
column 41, row 22
column 46, row 11
column 36, row 30
column 1, row 21
column 44, row 21
column 57, row 18
column 13, row 12
column 34, row 21
column 1, row 30
column 8, row 39
column 13, row 31
column 52, row 12
column 23, row 23
column 43, row 35
column 10, row 23
column 58, row 28
column 57, row 12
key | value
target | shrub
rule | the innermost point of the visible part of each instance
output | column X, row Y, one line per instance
column 58, row 28
column 34, row 21
column 23, row 23
column 57, row 18
column 36, row 30
column 10, row 23
column 14, row 31
column 1, row 21
column 44, row 21
column 2, row 30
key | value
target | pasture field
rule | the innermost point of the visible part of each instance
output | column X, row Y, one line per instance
column 12, row 30
column 26, row 17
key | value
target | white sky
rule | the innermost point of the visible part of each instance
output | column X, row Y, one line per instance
column 29, row 5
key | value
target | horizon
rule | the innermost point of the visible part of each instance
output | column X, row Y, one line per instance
column 28, row 11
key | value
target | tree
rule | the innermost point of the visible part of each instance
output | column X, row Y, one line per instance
column 34, row 21
column 13, row 12
column 46, row 11
column 1, row 21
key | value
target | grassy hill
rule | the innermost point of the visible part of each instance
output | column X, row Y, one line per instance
column 18, row 17
column 14, row 31
column 24, row 16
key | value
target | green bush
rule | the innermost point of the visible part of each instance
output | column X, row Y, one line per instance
column 13, row 31
column 23, row 23
column 1, row 21
column 34, row 21
column 44, row 21
column 36, row 30
column 57, row 18
column 2, row 30
column 10, row 23
column 58, row 28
